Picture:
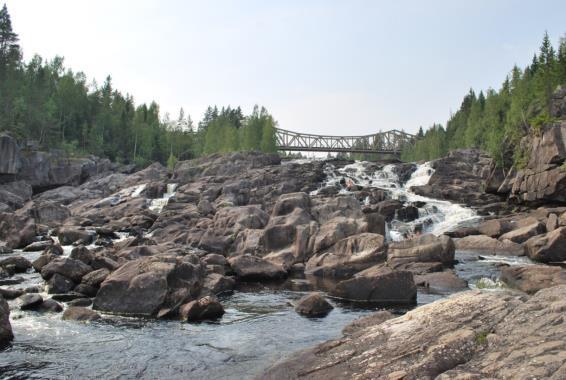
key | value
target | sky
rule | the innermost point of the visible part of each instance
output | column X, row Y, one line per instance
column 332, row 67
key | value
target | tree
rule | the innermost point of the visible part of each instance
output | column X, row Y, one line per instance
column 9, row 48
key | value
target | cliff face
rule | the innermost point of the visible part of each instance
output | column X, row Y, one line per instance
column 543, row 180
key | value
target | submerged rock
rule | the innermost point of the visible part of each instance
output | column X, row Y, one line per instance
column 313, row 305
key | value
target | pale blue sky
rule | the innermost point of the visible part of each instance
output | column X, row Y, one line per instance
column 334, row 67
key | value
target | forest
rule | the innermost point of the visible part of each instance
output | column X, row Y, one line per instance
column 46, row 105
column 495, row 121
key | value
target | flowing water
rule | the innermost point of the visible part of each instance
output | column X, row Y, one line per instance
column 259, row 328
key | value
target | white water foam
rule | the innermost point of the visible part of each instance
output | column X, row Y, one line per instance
column 157, row 205
column 436, row 215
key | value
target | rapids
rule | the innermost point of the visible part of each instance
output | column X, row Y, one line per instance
column 259, row 328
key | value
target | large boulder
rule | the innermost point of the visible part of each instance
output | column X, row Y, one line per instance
column 248, row 267
column 487, row 245
column 20, row 263
column 521, row 235
column 50, row 214
column 550, row 247
column 382, row 285
column 348, row 256
column 471, row 335
column 313, row 305
column 10, row 160
column 17, row 230
column 441, row 282
column 70, row 235
column 72, row 269
column 6, row 334
column 147, row 285
column 532, row 278
column 424, row 248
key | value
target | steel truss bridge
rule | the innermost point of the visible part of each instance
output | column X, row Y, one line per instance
column 389, row 142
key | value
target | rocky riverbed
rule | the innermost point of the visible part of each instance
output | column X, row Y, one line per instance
column 101, row 267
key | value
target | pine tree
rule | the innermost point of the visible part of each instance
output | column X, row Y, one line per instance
column 9, row 48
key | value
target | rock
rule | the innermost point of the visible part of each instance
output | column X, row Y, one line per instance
column 66, row 297
column 487, row 245
column 460, row 177
column 42, row 261
column 388, row 208
column 215, row 284
column 4, row 249
column 287, row 203
column 10, row 160
column 558, row 104
column 313, row 305
column 21, row 264
column 82, row 253
column 6, row 334
column 147, row 285
column 205, row 207
column 204, row 308
column 375, row 223
column 495, row 228
column 50, row 306
column 82, row 314
column 543, row 180
column 10, row 200
column 521, row 235
column 80, row 302
column 470, row 335
column 407, row 213
column 17, row 230
column 552, row 222
column 532, row 278
column 348, row 256
column 38, row 246
column 10, row 294
column 550, row 247
column 425, row 248
column 253, row 268
column 374, row 319
column 383, row 286
column 214, row 259
column 95, row 278
column 50, row 214
column 30, row 301
column 86, row 290
column 441, row 282
column 58, row 284
column 71, row 269
column 70, row 235
column 337, row 229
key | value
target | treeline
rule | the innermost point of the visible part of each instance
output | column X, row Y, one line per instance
column 497, row 120
column 44, row 102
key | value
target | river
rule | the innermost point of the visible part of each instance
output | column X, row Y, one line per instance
column 259, row 328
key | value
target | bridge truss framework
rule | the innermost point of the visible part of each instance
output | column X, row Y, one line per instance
column 389, row 142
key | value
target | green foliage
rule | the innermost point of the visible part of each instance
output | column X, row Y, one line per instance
column 498, row 120
column 481, row 337
column 171, row 162
column 43, row 101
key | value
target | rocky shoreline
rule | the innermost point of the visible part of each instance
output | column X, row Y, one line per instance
column 166, row 245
